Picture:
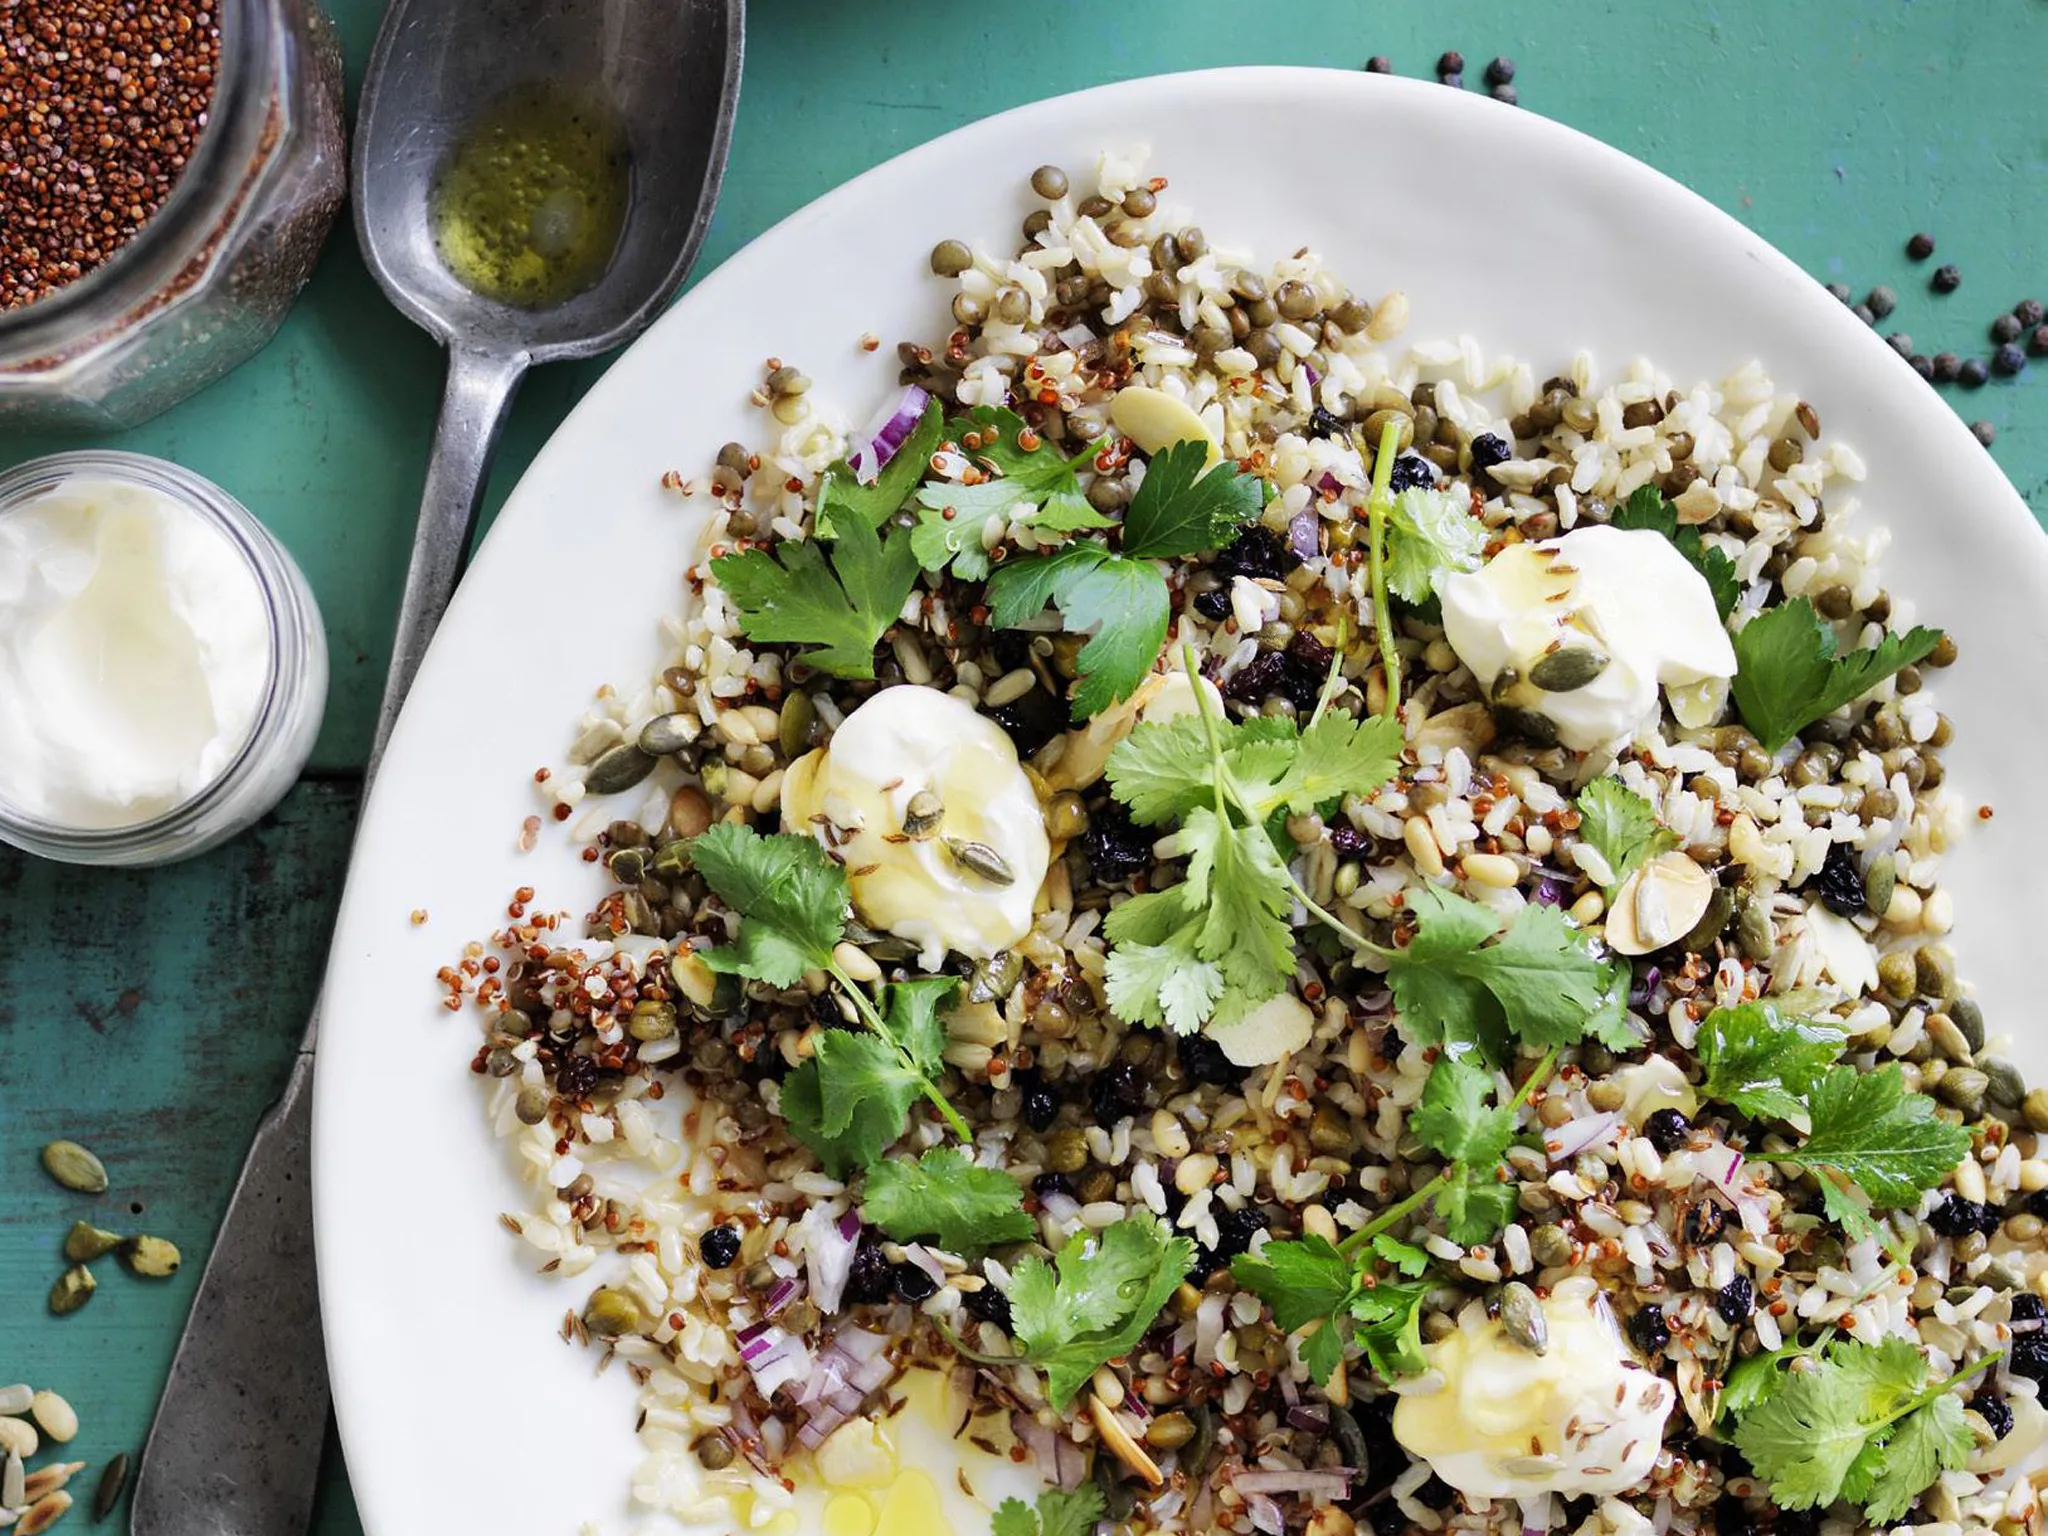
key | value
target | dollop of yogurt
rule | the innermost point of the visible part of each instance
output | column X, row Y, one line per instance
column 135, row 654
column 922, row 871
column 1581, row 1418
column 1583, row 629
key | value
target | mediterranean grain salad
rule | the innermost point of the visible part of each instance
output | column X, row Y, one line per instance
column 1305, row 933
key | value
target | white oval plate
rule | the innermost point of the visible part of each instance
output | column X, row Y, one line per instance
column 459, row 1409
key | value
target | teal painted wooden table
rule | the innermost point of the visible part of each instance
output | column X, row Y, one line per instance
column 153, row 1016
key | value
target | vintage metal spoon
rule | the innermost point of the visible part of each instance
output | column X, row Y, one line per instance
column 235, row 1446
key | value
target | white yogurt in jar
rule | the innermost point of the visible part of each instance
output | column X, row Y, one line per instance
column 135, row 654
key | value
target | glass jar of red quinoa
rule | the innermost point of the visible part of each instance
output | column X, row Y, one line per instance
column 168, row 172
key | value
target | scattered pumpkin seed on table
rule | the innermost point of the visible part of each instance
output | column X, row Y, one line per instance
column 73, row 1290
column 75, row 1168
column 86, row 1242
column 154, row 1258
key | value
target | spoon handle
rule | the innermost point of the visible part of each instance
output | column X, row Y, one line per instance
column 481, row 385
column 234, row 1449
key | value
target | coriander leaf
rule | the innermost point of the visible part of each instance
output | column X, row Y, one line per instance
column 1237, row 874
column 842, row 499
column 1156, row 973
column 1539, row 974
column 1339, row 755
column 1058, row 1512
column 1457, row 1115
column 1163, row 770
column 1871, row 1128
column 1928, row 1442
column 911, row 1013
column 1430, row 533
column 1034, row 486
column 945, row 1195
column 1809, row 1434
column 950, row 533
column 791, row 899
column 1762, row 1063
column 1389, row 1315
column 1405, row 1257
column 1123, row 605
column 792, row 596
column 1621, row 826
column 1787, row 674
column 1475, row 1204
column 1096, row 1300
column 1647, row 508
column 848, row 1103
column 1180, row 511
column 1755, row 1378
column 1300, row 1280
column 1323, row 1351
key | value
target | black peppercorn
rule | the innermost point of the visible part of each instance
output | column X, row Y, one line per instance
column 1972, row 372
column 1984, row 432
column 2008, row 360
column 2005, row 328
column 1882, row 301
column 1500, row 71
column 1379, row 64
column 1920, row 246
column 1946, row 279
column 1451, row 62
column 1945, row 366
column 2029, row 312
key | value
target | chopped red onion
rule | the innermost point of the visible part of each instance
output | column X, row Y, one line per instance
column 1574, row 1136
column 1329, row 482
column 1036, row 1438
column 1314, row 378
column 1070, row 1462
column 1077, row 335
column 1266, row 1515
column 858, row 1344
column 1304, row 532
column 1319, row 1483
column 1308, row 1416
column 829, row 1246
column 886, row 433
column 776, row 1359
column 1538, row 1515
column 782, row 1294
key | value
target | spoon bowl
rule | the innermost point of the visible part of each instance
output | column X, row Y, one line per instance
column 666, row 70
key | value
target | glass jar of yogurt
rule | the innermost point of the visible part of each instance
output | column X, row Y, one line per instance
column 163, row 669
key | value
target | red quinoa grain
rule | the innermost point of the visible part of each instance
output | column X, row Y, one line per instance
column 101, row 105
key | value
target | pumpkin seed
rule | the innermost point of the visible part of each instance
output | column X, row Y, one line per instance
column 619, row 769
column 652, row 1020
column 628, row 865
column 672, row 860
column 73, row 1290
column 666, row 734
column 75, row 1168
column 113, row 1483
column 1170, row 1431
column 1536, row 729
column 921, row 816
column 86, row 1242
column 980, row 859
column 1569, row 669
column 1969, row 1018
column 611, row 1312
column 1754, row 935
column 1522, row 1319
column 154, row 1258
column 1720, row 907
column 793, row 725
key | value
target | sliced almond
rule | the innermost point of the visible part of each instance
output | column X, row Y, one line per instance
column 1119, row 1440
column 1155, row 420
column 1658, row 905
column 1278, row 1027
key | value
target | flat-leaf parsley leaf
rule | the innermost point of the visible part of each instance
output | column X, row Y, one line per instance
column 1057, row 1512
column 1096, row 1300
column 1787, row 674
column 945, row 1195
column 840, row 609
column 1622, row 827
